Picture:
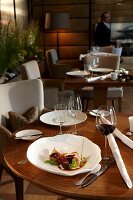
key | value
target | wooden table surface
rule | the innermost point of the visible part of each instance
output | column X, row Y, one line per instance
column 109, row 186
column 100, row 87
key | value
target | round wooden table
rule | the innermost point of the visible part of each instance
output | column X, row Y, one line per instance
column 109, row 186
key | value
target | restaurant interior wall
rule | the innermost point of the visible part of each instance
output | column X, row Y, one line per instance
column 84, row 14
column 80, row 36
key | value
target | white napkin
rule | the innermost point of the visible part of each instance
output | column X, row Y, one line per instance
column 98, row 78
column 81, row 56
column 119, row 160
column 120, row 135
column 123, row 138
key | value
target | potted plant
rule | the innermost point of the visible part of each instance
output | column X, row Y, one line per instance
column 18, row 46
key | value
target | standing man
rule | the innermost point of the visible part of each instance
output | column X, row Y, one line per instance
column 103, row 32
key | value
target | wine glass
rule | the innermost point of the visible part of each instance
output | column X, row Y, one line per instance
column 61, row 115
column 105, row 123
column 74, row 106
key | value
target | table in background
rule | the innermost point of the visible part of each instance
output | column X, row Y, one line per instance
column 107, row 187
column 100, row 87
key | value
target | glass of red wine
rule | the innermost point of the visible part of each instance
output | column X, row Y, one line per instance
column 105, row 123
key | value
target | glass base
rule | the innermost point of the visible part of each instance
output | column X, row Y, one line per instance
column 108, row 159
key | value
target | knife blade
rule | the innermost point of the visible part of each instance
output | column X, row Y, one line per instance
column 95, row 176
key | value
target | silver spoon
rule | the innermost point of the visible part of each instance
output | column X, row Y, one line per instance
column 97, row 168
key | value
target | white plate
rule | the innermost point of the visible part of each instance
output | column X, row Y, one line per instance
column 78, row 73
column 101, row 54
column 40, row 150
column 28, row 134
column 93, row 112
column 101, row 70
column 50, row 118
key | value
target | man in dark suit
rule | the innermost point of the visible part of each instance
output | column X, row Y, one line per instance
column 103, row 33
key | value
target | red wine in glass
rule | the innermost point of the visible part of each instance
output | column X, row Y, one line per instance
column 105, row 123
column 106, row 129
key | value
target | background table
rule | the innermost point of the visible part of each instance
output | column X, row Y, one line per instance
column 100, row 87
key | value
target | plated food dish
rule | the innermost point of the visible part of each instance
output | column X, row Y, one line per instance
column 28, row 134
column 78, row 73
column 39, row 151
column 50, row 118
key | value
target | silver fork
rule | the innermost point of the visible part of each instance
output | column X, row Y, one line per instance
column 97, row 168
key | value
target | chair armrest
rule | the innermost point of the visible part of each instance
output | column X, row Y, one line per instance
column 59, row 70
column 59, row 83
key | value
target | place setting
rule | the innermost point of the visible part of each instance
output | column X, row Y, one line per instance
column 65, row 114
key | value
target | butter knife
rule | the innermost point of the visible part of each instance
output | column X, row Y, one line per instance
column 95, row 176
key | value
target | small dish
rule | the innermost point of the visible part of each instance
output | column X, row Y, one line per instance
column 93, row 112
column 28, row 134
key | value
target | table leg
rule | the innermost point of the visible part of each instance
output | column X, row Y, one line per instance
column 100, row 96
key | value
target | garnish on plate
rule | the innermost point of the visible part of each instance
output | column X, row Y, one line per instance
column 66, row 161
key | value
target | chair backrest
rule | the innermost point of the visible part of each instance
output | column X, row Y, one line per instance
column 51, row 59
column 20, row 96
column 111, row 61
column 30, row 70
column 106, row 49
column 108, row 61
column 117, row 50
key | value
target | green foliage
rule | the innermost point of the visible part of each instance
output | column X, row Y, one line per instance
column 18, row 46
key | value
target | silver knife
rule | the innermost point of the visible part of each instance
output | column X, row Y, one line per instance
column 95, row 176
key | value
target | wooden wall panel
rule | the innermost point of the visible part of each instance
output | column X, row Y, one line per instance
column 76, row 40
column 72, row 52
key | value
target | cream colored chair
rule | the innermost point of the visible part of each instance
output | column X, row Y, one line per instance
column 55, row 68
column 18, row 97
column 53, row 88
column 114, row 93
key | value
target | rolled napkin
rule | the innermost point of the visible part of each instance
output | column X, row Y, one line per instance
column 98, row 78
column 119, row 160
column 81, row 56
column 123, row 138
column 120, row 135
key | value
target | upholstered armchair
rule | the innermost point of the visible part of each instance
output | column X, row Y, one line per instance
column 55, row 68
column 53, row 88
column 18, row 97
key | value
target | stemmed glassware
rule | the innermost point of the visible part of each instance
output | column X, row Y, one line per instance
column 105, row 123
column 95, row 59
column 61, row 115
column 74, row 106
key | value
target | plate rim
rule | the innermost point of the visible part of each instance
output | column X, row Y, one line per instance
column 54, row 124
column 78, row 75
column 99, row 69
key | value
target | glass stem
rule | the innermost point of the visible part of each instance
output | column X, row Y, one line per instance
column 60, row 128
column 106, row 149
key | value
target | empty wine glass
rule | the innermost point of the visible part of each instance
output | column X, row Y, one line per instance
column 61, row 115
column 105, row 123
column 74, row 106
